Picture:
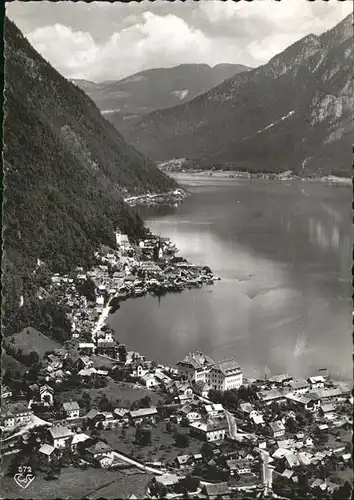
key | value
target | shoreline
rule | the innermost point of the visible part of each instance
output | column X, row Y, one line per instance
column 234, row 174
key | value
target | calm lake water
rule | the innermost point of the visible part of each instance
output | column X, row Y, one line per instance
column 283, row 251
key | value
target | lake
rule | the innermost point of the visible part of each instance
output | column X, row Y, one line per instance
column 283, row 251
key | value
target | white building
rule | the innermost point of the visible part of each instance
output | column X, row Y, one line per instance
column 122, row 239
column 225, row 375
column 150, row 380
column 195, row 367
column 208, row 431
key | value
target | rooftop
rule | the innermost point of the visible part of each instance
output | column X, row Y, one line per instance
column 228, row 366
column 142, row 412
column 198, row 360
column 59, row 431
column 71, row 406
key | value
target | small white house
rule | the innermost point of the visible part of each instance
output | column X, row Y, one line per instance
column 150, row 380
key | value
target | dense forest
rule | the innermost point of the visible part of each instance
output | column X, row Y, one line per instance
column 66, row 172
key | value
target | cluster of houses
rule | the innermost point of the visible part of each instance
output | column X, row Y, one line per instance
column 238, row 437
column 130, row 270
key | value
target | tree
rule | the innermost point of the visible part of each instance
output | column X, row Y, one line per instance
column 157, row 489
column 190, row 483
column 135, row 405
column 85, row 401
column 122, row 353
column 206, row 450
column 143, row 436
column 291, row 426
column 181, row 440
column 145, row 402
column 33, row 358
column 105, row 404
column 344, row 491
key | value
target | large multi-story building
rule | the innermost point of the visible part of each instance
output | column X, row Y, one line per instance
column 225, row 375
column 220, row 376
column 195, row 367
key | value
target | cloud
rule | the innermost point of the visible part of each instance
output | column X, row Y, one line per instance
column 102, row 41
column 154, row 41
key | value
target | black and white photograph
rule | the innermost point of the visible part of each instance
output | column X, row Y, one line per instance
column 177, row 312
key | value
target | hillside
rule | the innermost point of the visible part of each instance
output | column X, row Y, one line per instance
column 66, row 170
column 155, row 89
column 293, row 113
column 30, row 340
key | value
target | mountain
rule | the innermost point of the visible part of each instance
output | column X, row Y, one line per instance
column 293, row 113
column 154, row 89
column 66, row 171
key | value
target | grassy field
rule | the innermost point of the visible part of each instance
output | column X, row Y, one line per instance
column 72, row 483
column 11, row 364
column 122, row 487
column 162, row 446
column 114, row 391
column 30, row 339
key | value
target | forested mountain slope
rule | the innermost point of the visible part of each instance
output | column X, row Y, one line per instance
column 66, row 171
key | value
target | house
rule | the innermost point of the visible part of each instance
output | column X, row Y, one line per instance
column 97, row 451
column 209, row 431
column 46, row 394
column 190, row 413
column 245, row 409
column 149, row 380
column 268, row 396
column 183, row 461
column 239, row 466
column 80, row 437
column 225, row 375
column 288, row 473
column 327, row 411
column 183, row 388
column 214, row 410
column 167, row 479
column 143, row 414
column 71, row 410
column 47, row 452
column 317, row 382
column 201, row 389
column 60, row 436
column 15, row 415
column 328, row 395
column 307, row 401
column 216, row 490
column 299, row 386
column 195, row 367
column 83, row 362
column 280, row 380
column 121, row 414
column 87, row 372
column 256, row 417
column 6, row 392
column 277, row 428
column 292, row 460
column 87, row 347
column 137, row 369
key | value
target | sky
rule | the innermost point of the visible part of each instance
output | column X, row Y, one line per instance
column 102, row 41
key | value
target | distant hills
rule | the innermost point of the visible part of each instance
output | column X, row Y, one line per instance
column 293, row 113
column 155, row 89
column 66, row 171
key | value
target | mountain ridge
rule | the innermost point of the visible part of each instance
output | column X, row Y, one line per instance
column 156, row 88
column 223, row 125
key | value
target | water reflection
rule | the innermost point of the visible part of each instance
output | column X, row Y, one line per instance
column 283, row 303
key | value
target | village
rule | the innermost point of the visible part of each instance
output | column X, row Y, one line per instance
column 142, row 429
